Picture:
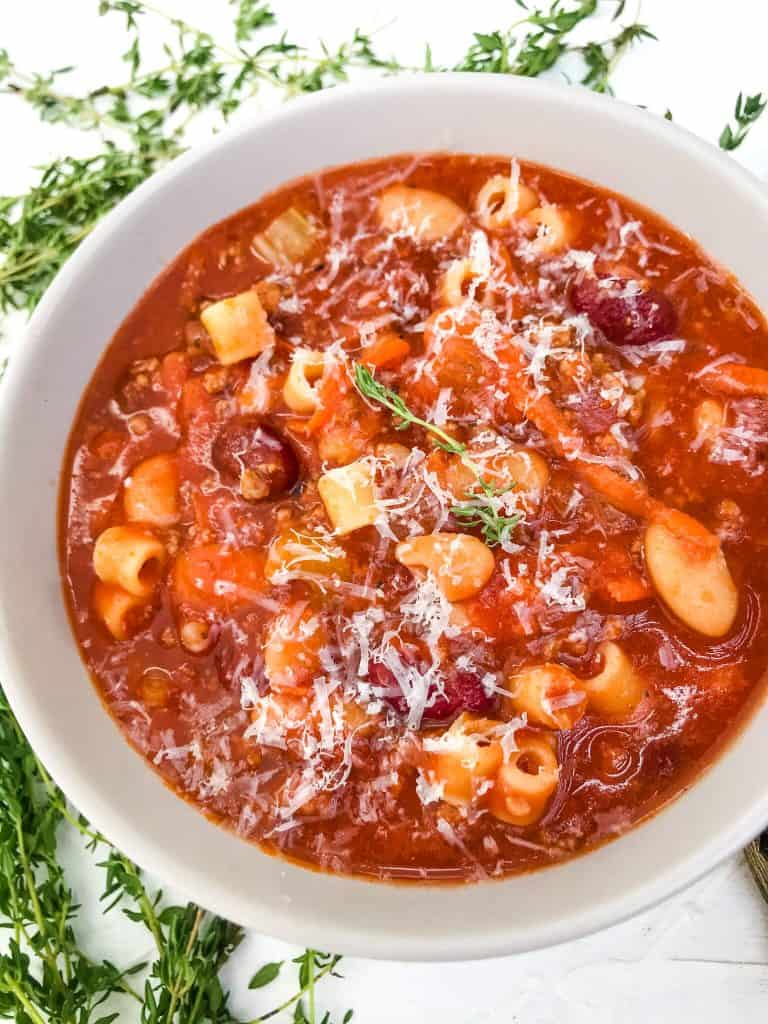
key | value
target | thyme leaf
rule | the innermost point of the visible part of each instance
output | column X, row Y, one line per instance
column 602, row 59
column 372, row 389
column 484, row 509
column 746, row 112
column 143, row 120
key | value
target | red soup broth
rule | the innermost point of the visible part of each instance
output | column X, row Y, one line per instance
column 494, row 641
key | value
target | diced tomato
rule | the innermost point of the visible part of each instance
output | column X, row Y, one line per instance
column 616, row 578
column 174, row 370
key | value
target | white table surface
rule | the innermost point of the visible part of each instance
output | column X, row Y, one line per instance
column 701, row 957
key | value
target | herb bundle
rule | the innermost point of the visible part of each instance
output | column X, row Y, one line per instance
column 145, row 120
column 47, row 978
column 138, row 124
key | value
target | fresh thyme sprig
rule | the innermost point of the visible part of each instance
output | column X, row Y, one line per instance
column 602, row 58
column 539, row 49
column 44, row 975
column 313, row 966
column 484, row 508
column 46, row 978
column 547, row 41
column 372, row 389
column 40, row 230
column 144, row 120
column 745, row 113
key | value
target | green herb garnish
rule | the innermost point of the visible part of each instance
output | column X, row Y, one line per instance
column 375, row 391
column 745, row 113
column 46, row 977
column 483, row 509
column 602, row 58
column 144, row 119
column 538, row 50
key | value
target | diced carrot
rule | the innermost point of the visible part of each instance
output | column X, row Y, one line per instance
column 387, row 350
column 195, row 401
column 214, row 577
column 628, row 495
column 736, row 379
column 332, row 390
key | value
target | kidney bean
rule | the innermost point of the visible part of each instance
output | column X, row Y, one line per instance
column 463, row 691
column 250, row 452
column 624, row 311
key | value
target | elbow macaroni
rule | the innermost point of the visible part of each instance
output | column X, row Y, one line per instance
column 501, row 199
column 554, row 229
column 460, row 563
column 470, row 766
column 526, row 783
column 129, row 557
column 116, row 608
column 553, row 697
column 457, row 281
column 300, row 390
column 617, row 688
column 466, row 278
column 464, row 757
column 426, row 216
column 549, row 695
column 152, row 492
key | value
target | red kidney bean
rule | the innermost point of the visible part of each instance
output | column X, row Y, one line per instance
column 463, row 691
column 248, row 451
column 623, row 310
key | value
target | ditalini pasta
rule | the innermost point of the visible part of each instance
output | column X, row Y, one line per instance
column 413, row 523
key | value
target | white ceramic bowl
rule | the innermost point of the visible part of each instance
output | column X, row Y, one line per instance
column 697, row 188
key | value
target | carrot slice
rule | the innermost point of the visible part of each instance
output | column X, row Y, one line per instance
column 331, row 391
column 388, row 350
column 210, row 576
column 627, row 495
column 736, row 379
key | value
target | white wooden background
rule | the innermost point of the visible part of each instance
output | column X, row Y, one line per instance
column 700, row 958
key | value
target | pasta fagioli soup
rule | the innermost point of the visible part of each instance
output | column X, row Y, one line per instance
column 413, row 523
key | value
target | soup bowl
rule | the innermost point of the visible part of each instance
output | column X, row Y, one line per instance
column 697, row 188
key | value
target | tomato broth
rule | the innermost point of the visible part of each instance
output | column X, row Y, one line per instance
column 413, row 523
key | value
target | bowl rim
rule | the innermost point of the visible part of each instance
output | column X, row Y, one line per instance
column 148, row 851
